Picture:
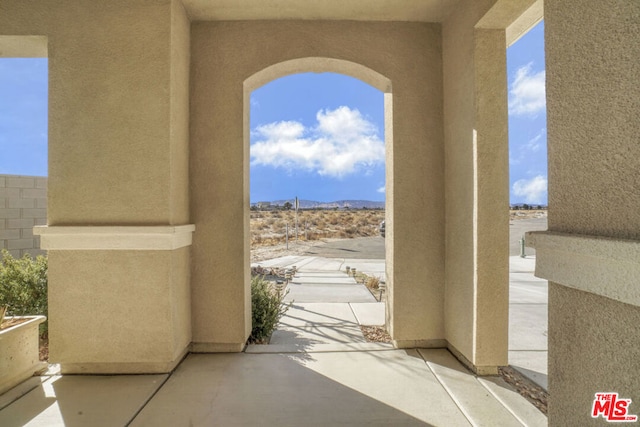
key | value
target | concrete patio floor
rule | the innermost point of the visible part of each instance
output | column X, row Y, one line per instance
column 384, row 387
column 318, row 370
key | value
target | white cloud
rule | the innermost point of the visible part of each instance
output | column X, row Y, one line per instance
column 536, row 143
column 513, row 161
column 340, row 144
column 532, row 190
column 382, row 189
column 527, row 92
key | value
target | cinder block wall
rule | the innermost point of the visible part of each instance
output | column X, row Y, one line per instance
column 23, row 204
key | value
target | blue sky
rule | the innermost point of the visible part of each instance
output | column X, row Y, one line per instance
column 527, row 119
column 316, row 136
column 23, row 116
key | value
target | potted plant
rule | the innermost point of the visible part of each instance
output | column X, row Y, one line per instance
column 19, row 349
column 23, row 292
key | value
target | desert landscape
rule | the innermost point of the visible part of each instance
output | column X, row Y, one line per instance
column 319, row 226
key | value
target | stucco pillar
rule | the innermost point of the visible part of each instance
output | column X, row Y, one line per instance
column 477, row 196
column 591, row 253
column 118, row 231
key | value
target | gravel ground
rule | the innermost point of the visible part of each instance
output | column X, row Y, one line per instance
column 529, row 390
column 295, row 248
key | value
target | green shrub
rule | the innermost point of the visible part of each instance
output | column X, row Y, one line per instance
column 266, row 309
column 23, row 285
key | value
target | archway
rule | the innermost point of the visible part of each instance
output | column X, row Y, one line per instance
column 219, row 169
column 319, row 135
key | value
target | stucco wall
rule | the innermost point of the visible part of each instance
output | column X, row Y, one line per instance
column 594, row 346
column 594, row 157
column 593, row 127
column 23, row 204
column 112, row 126
column 142, row 321
column 118, row 155
column 476, row 183
column 224, row 55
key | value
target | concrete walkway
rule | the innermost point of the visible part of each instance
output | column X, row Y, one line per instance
column 527, row 305
column 317, row 371
column 328, row 307
column 528, row 320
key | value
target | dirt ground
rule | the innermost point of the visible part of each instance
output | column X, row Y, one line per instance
column 267, row 243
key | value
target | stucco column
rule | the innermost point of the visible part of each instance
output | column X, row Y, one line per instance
column 118, row 231
column 476, row 183
column 591, row 253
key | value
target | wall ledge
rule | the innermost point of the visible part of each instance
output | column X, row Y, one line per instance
column 134, row 238
column 600, row 265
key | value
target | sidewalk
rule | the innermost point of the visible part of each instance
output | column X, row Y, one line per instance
column 528, row 320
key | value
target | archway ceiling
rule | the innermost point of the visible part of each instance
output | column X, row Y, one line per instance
column 357, row 10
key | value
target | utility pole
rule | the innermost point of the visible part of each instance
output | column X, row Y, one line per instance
column 297, row 205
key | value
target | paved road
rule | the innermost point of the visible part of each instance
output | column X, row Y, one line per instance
column 518, row 227
column 360, row 248
column 373, row 247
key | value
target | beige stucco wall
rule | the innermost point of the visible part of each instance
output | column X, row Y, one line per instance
column 594, row 158
column 594, row 346
column 224, row 55
column 476, row 182
column 118, row 155
column 115, row 311
column 594, row 149
column 111, row 122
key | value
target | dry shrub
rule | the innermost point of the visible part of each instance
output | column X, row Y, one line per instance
column 319, row 224
column 372, row 282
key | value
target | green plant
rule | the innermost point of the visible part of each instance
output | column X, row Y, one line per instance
column 267, row 308
column 23, row 285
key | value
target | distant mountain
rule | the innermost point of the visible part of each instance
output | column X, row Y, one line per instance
column 341, row 204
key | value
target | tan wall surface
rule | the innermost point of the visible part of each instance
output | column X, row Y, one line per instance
column 109, row 112
column 118, row 155
column 23, row 204
column 179, row 113
column 118, row 311
column 457, row 57
column 594, row 346
column 224, row 54
column 594, row 158
column 593, row 127
column 476, row 182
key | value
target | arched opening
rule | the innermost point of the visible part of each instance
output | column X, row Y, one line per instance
column 219, row 154
column 324, row 265
column 317, row 203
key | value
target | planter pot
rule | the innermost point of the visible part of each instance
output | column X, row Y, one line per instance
column 19, row 352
